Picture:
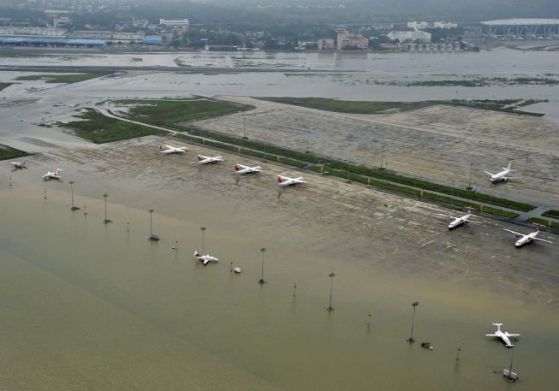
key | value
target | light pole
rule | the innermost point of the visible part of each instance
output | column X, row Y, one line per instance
column 74, row 207
column 203, row 229
column 262, row 251
column 308, row 137
column 411, row 339
column 107, row 220
column 152, row 236
column 245, row 128
column 331, row 275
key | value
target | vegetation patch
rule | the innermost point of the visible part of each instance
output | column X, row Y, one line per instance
column 169, row 112
column 480, row 82
column 347, row 106
column 372, row 107
column 545, row 222
column 551, row 213
column 100, row 129
column 4, row 85
column 64, row 78
column 10, row 153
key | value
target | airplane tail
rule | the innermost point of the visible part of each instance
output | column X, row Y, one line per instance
column 498, row 325
column 161, row 147
column 280, row 179
column 197, row 254
column 237, row 168
column 199, row 158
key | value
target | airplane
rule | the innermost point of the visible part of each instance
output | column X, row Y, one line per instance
column 458, row 221
column 526, row 238
column 202, row 159
column 53, row 175
column 19, row 165
column 500, row 176
column 242, row 169
column 504, row 336
column 168, row 149
column 287, row 181
column 205, row 258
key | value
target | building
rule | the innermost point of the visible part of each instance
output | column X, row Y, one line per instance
column 175, row 23
column 418, row 25
column 326, row 44
column 155, row 40
column 445, row 25
column 530, row 28
column 409, row 36
column 345, row 40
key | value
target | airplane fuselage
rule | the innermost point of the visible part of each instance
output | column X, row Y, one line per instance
column 457, row 222
column 500, row 176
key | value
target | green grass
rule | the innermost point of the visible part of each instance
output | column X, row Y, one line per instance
column 551, row 213
column 372, row 107
column 64, row 78
column 4, row 85
column 171, row 112
column 544, row 222
column 10, row 153
column 346, row 106
column 99, row 129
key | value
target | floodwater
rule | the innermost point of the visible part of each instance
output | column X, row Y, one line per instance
column 89, row 305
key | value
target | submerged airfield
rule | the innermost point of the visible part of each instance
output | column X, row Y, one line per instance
column 87, row 304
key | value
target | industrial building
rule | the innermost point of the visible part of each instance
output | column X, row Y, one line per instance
column 50, row 41
column 345, row 40
column 527, row 28
column 409, row 36
column 179, row 23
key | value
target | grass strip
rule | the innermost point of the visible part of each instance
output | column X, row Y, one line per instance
column 545, row 222
column 10, row 153
column 551, row 213
column 64, row 78
column 4, row 85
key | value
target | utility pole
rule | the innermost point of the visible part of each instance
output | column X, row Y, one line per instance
column 245, row 128
column 152, row 236
column 331, row 275
column 74, row 207
column 262, row 251
column 107, row 220
column 411, row 339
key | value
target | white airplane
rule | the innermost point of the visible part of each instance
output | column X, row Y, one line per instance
column 526, row 238
column 287, row 181
column 500, row 176
column 504, row 336
column 53, row 175
column 242, row 169
column 19, row 165
column 168, row 149
column 458, row 221
column 202, row 159
column 205, row 258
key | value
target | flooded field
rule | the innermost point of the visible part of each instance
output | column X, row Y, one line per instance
column 92, row 304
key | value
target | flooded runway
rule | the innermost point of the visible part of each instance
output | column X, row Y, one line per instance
column 86, row 303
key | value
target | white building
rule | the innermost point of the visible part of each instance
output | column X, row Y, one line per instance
column 418, row 25
column 409, row 36
column 445, row 25
column 183, row 23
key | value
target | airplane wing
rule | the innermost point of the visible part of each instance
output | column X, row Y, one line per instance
column 542, row 240
column 206, row 261
column 490, row 335
column 488, row 173
column 513, row 335
column 513, row 232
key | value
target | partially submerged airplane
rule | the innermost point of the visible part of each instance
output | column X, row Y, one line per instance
column 18, row 165
column 202, row 159
column 504, row 336
column 242, row 169
column 205, row 259
column 287, row 181
column 526, row 238
column 53, row 175
column 458, row 221
column 169, row 149
column 500, row 176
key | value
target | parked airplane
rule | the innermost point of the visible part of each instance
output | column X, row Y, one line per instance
column 207, row 258
column 458, row 221
column 526, row 238
column 242, row 169
column 18, row 165
column 504, row 336
column 53, row 175
column 202, row 159
column 500, row 176
column 287, row 181
column 168, row 149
